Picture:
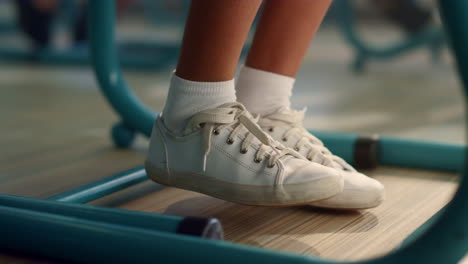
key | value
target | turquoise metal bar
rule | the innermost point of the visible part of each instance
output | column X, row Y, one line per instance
column 80, row 240
column 421, row 154
column 105, row 62
column 160, row 223
column 101, row 188
column 400, row 152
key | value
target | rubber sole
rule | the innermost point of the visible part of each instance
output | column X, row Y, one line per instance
column 279, row 195
column 355, row 207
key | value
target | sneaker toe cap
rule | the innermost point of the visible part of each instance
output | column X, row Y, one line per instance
column 312, row 182
column 360, row 192
column 312, row 172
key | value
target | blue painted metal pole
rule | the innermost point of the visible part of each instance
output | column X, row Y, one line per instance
column 105, row 63
column 153, row 222
column 101, row 188
column 85, row 241
column 400, row 152
column 421, row 154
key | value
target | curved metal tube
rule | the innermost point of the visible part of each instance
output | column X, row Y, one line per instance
column 106, row 67
column 346, row 22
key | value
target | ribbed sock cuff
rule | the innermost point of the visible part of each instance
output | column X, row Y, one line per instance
column 181, row 85
column 263, row 92
column 186, row 98
column 266, row 79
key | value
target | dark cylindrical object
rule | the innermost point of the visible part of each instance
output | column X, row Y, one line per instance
column 366, row 152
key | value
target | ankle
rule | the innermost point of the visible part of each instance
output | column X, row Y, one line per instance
column 186, row 98
column 263, row 92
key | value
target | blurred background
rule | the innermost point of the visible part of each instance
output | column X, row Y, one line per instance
column 376, row 66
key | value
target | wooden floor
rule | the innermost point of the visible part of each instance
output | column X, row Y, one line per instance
column 55, row 128
column 306, row 230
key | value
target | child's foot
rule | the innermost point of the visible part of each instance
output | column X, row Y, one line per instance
column 225, row 154
column 359, row 192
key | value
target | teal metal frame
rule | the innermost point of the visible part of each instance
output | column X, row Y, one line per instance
column 432, row 38
column 135, row 55
column 63, row 229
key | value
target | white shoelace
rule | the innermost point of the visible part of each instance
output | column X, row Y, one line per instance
column 235, row 115
column 318, row 152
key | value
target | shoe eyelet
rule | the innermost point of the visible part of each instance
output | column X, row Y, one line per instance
column 243, row 151
column 216, row 132
column 284, row 139
column 271, row 129
column 271, row 167
column 257, row 160
column 309, row 159
column 297, row 149
column 230, row 141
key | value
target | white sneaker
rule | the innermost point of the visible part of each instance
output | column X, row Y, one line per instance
column 359, row 192
column 225, row 154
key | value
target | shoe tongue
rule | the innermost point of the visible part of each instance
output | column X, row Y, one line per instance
column 236, row 111
column 227, row 110
column 287, row 116
column 234, row 105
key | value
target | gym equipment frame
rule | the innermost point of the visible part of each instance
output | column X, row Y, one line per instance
column 65, row 229
column 432, row 38
column 138, row 55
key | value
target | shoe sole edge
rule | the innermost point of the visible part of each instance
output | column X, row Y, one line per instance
column 282, row 195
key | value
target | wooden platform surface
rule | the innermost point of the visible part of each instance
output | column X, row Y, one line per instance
column 55, row 128
column 413, row 196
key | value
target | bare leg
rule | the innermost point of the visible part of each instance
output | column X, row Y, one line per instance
column 214, row 35
column 284, row 33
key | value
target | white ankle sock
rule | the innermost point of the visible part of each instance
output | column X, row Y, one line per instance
column 263, row 92
column 186, row 98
